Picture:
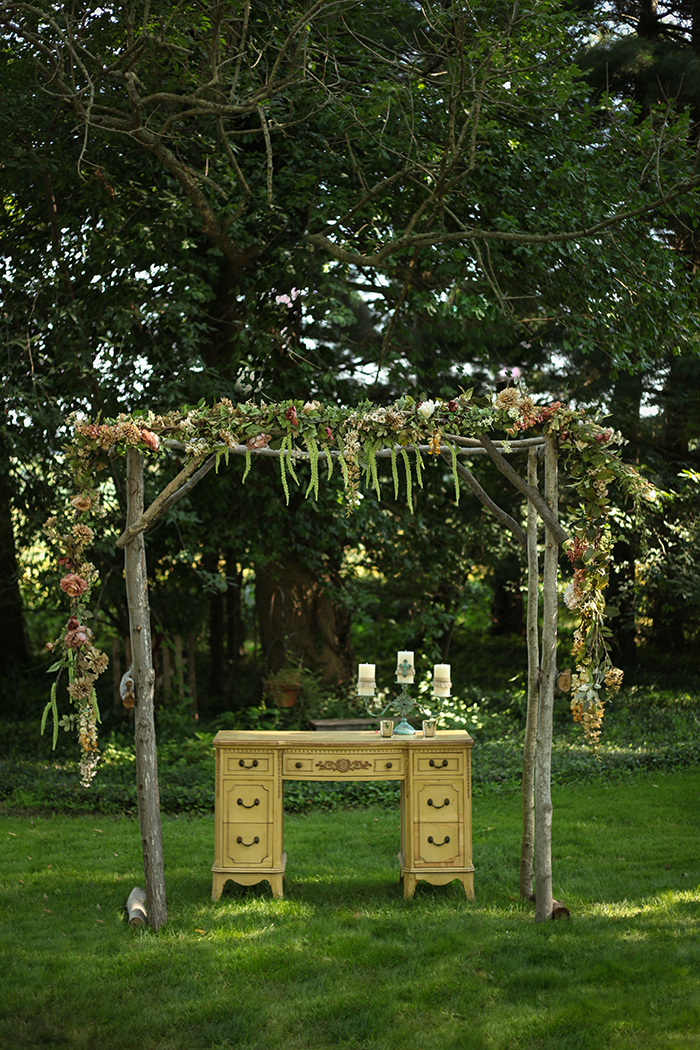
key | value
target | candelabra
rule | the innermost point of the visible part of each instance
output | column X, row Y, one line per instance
column 403, row 704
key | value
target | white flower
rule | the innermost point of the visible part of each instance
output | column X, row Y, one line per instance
column 572, row 596
column 426, row 409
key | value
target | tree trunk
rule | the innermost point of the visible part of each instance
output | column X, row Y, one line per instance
column 192, row 673
column 144, row 679
column 298, row 621
column 543, row 778
column 11, row 612
column 217, row 632
column 533, row 691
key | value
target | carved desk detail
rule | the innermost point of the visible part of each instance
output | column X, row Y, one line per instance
column 343, row 765
column 435, row 776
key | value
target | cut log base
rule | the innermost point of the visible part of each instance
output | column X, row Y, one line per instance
column 136, row 907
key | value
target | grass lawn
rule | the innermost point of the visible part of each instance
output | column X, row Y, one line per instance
column 344, row 961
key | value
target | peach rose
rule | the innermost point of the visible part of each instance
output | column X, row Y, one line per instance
column 150, row 439
column 73, row 585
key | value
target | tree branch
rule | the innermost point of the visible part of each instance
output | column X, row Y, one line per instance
column 527, row 490
column 478, row 491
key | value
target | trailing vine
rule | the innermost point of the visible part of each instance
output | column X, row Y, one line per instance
column 297, row 429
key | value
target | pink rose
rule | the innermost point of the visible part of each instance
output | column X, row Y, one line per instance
column 65, row 562
column 73, row 585
column 291, row 415
column 259, row 441
column 329, row 432
column 150, row 439
column 78, row 637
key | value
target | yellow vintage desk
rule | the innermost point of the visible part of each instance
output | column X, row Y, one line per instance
column 435, row 775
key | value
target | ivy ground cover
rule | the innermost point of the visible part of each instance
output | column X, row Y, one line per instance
column 344, row 961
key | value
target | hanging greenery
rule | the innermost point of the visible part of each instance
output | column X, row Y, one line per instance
column 294, row 430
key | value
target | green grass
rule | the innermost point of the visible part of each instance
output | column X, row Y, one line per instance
column 343, row 960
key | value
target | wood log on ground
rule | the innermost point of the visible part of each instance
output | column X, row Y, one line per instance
column 136, row 907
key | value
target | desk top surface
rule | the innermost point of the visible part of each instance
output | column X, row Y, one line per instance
column 297, row 738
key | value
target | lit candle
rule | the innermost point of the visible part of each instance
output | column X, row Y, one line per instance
column 405, row 672
column 365, row 680
column 441, row 680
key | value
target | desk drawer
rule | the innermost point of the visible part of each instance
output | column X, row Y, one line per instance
column 243, row 763
column 246, row 802
column 248, row 845
column 322, row 765
column 438, row 801
column 432, row 763
column 439, row 844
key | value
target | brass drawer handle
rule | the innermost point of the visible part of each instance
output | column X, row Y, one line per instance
column 240, row 802
column 445, row 803
column 390, row 765
column 432, row 841
column 240, row 841
column 437, row 765
column 297, row 765
column 253, row 764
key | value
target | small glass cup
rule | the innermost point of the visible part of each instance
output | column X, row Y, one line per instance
column 429, row 726
column 386, row 726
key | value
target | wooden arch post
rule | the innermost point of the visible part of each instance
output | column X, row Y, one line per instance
column 144, row 680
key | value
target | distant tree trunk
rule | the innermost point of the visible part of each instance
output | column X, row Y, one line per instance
column 217, row 631
column 192, row 673
column 626, row 405
column 533, row 691
column 11, row 612
column 144, row 680
column 296, row 616
column 507, row 609
column 543, row 776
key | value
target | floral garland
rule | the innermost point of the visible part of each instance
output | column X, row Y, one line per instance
column 299, row 427
column 74, row 647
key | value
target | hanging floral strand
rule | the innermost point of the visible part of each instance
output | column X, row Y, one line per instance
column 74, row 648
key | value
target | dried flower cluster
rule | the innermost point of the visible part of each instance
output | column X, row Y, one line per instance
column 74, row 649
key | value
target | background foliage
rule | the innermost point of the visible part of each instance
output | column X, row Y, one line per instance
column 258, row 200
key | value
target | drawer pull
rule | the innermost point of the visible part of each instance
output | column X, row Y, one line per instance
column 437, row 765
column 390, row 765
column 252, row 806
column 253, row 764
column 297, row 765
column 432, row 841
column 255, row 841
column 445, row 803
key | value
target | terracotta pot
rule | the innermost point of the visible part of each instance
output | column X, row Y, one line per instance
column 285, row 694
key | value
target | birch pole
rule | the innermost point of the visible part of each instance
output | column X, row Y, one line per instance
column 144, row 679
column 543, row 785
column 533, row 690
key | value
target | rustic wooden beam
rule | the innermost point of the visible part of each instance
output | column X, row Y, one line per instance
column 543, row 509
column 144, row 678
column 147, row 517
column 548, row 674
column 527, row 847
column 481, row 494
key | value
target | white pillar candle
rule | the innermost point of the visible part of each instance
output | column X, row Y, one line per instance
column 405, row 679
column 441, row 680
column 365, row 680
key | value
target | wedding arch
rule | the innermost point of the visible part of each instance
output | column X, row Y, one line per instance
column 325, row 436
